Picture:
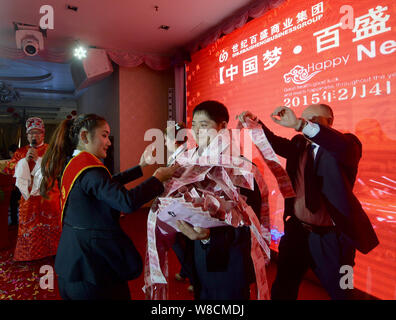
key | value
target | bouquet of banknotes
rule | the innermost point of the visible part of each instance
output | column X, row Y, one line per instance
column 205, row 192
column 206, row 197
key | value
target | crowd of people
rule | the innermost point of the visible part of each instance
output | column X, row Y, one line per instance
column 70, row 207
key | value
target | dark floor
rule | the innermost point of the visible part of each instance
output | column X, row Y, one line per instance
column 20, row 281
column 135, row 226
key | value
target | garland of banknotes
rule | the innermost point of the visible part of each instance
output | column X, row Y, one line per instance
column 205, row 194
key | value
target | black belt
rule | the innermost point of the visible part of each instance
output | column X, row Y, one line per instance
column 318, row 229
column 91, row 229
column 313, row 228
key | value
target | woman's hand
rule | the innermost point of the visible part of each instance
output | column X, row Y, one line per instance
column 165, row 173
column 193, row 233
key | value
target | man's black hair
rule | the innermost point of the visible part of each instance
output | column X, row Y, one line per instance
column 215, row 110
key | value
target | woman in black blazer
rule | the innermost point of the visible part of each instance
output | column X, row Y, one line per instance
column 95, row 258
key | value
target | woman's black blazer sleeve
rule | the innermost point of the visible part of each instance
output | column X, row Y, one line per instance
column 98, row 183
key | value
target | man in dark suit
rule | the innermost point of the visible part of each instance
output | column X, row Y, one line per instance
column 324, row 223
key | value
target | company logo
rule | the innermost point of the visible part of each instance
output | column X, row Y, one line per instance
column 300, row 74
column 223, row 56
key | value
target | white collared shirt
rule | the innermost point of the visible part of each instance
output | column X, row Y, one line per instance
column 76, row 152
column 311, row 130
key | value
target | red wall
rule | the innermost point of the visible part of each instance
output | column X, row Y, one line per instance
column 143, row 96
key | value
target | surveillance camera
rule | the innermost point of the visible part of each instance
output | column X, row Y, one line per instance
column 30, row 41
column 30, row 46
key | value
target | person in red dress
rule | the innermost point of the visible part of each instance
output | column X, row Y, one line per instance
column 39, row 218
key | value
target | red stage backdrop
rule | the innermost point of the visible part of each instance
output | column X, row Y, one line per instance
column 307, row 52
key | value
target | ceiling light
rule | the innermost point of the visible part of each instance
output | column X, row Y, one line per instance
column 80, row 52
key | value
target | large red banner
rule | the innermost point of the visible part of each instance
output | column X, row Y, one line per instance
column 307, row 52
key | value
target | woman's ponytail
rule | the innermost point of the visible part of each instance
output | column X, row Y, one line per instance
column 59, row 149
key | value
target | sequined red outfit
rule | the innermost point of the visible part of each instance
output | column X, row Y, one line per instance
column 39, row 219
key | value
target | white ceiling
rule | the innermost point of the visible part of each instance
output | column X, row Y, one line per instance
column 130, row 25
column 119, row 24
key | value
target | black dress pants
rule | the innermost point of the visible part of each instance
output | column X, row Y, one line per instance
column 300, row 249
column 14, row 204
column 224, row 275
column 82, row 290
column 182, row 249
